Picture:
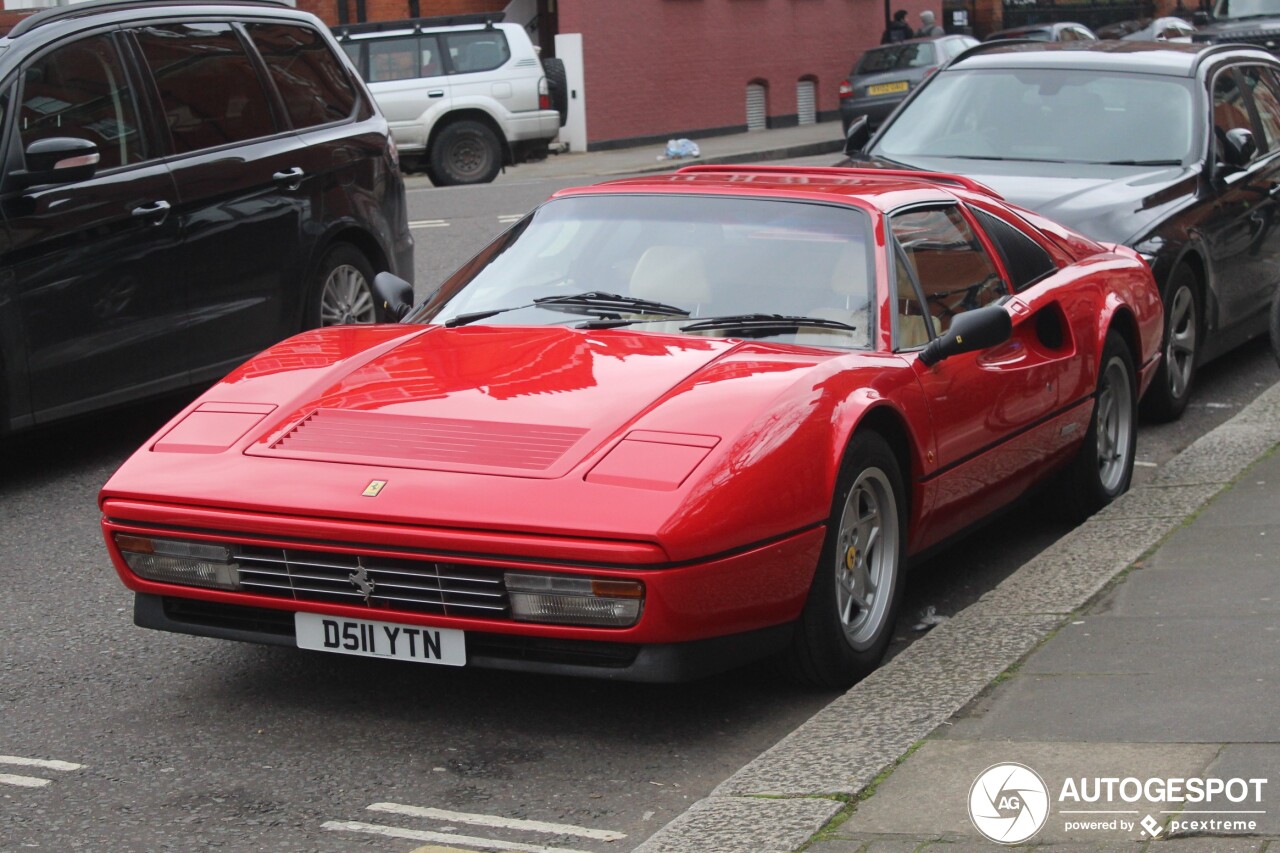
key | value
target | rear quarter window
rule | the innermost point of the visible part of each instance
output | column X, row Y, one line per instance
column 1025, row 260
column 312, row 81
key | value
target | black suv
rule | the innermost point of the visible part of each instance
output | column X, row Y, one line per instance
column 1171, row 149
column 183, row 185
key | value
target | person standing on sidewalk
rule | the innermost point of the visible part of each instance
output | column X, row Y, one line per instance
column 928, row 29
column 898, row 29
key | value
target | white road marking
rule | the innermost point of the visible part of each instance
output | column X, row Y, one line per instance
column 494, row 820
column 442, row 837
column 429, row 223
column 508, row 218
column 22, row 781
column 40, row 762
column 1142, row 464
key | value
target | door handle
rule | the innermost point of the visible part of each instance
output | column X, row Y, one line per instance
column 436, row 93
column 290, row 179
column 157, row 212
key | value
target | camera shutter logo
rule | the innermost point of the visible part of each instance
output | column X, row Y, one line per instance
column 1008, row 803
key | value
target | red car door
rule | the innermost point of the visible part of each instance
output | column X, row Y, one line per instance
column 996, row 414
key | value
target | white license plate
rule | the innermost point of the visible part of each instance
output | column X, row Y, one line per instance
column 371, row 639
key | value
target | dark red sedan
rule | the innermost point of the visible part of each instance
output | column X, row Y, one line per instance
column 660, row 427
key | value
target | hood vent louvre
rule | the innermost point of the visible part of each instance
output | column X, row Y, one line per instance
column 419, row 442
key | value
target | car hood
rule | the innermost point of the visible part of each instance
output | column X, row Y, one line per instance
column 1113, row 204
column 609, row 433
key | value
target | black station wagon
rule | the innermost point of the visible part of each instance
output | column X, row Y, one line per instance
column 183, row 185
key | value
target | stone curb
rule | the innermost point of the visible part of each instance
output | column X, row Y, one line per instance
column 845, row 746
column 803, row 149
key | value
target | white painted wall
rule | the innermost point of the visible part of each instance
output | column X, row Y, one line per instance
column 569, row 50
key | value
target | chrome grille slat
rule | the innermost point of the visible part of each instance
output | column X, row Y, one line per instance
column 423, row 586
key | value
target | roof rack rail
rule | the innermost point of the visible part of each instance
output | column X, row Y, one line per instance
column 486, row 18
column 1210, row 49
column 94, row 7
column 847, row 172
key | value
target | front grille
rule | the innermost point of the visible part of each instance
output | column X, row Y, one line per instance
column 418, row 586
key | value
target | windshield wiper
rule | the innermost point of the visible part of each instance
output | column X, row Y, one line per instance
column 764, row 323
column 588, row 302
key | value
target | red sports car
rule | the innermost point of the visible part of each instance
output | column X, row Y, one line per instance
column 661, row 426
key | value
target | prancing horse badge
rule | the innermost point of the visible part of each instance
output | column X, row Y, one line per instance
column 375, row 486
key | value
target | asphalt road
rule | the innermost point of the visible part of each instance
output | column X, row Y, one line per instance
column 193, row 744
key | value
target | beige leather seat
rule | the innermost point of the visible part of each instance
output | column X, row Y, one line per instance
column 847, row 302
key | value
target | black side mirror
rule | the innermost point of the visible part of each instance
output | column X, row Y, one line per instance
column 1238, row 147
column 395, row 294
column 970, row 331
column 857, row 136
column 59, row 160
column 1200, row 18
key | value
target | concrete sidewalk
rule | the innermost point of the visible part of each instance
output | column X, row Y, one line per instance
column 759, row 146
column 1144, row 645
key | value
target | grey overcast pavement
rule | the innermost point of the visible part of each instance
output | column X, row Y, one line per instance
column 1144, row 644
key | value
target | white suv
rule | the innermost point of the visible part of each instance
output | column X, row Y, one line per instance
column 464, row 95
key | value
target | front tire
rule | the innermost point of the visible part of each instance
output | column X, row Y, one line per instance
column 1103, row 467
column 342, row 290
column 1170, row 391
column 853, row 603
column 465, row 152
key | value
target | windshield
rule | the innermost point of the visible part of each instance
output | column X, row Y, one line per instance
column 1050, row 115
column 898, row 56
column 707, row 256
column 1246, row 8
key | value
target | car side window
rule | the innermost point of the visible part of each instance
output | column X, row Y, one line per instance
column 1257, row 81
column 311, row 80
column 954, row 271
column 1230, row 107
column 479, row 50
column 912, row 329
column 209, row 88
column 81, row 90
column 1025, row 260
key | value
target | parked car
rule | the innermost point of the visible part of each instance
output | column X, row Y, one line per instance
column 1057, row 31
column 1149, row 29
column 1255, row 22
column 1167, row 148
column 158, row 228
column 465, row 94
column 661, row 426
column 883, row 76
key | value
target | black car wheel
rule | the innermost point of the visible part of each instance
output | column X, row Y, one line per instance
column 1103, row 466
column 465, row 152
column 342, row 290
column 1170, row 392
column 557, row 87
column 853, row 602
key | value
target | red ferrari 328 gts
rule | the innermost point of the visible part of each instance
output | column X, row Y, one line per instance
column 661, row 426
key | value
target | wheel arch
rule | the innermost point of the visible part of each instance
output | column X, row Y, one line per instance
column 469, row 114
column 891, row 425
column 360, row 239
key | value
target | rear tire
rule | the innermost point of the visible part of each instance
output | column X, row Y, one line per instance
column 342, row 290
column 1103, row 467
column 853, row 603
column 557, row 87
column 1170, row 391
column 465, row 152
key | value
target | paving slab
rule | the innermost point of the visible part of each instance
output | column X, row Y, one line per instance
column 1250, row 761
column 1180, row 648
column 928, row 794
column 1145, row 592
column 1205, row 709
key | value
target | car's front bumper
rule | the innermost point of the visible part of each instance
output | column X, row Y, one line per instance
column 697, row 616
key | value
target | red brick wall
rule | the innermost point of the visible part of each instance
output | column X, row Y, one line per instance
column 392, row 10
column 675, row 67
